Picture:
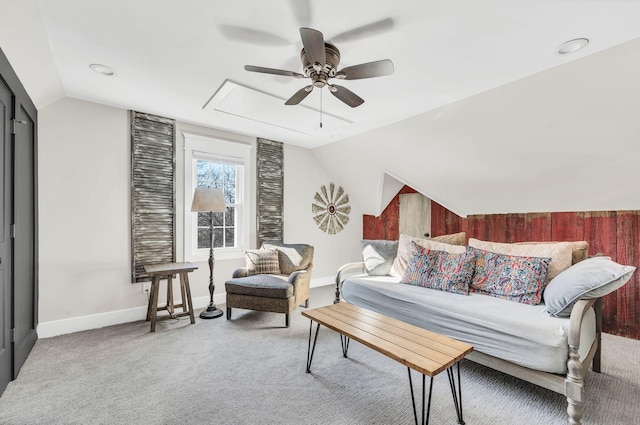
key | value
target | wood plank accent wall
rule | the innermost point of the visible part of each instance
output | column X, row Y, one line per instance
column 387, row 224
column 612, row 233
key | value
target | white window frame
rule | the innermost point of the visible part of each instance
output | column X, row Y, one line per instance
column 202, row 147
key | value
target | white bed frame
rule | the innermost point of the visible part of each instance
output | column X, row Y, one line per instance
column 570, row 385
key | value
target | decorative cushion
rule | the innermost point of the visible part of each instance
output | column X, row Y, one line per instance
column 262, row 261
column 378, row 256
column 588, row 279
column 510, row 277
column 439, row 270
column 420, row 266
column 459, row 238
column 405, row 252
column 559, row 252
column 292, row 257
column 260, row 286
column 578, row 249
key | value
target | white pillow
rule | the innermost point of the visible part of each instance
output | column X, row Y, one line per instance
column 559, row 252
column 588, row 279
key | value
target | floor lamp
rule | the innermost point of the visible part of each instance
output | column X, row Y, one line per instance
column 209, row 200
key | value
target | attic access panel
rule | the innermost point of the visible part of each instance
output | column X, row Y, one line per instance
column 245, row 102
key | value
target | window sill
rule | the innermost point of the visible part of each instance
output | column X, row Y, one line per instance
column 218, row 254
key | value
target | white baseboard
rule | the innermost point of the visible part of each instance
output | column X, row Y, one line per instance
column 95, row 321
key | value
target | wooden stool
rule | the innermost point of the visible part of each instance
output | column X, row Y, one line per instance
column 167, row 270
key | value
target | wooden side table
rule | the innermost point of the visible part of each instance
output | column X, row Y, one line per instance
column 167, row 271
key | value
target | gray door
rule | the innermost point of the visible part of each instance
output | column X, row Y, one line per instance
column 24, row 241
column 5, row 239
column 18, row 231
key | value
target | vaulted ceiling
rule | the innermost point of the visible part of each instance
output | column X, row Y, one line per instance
column 171, row 57
column 482, row 114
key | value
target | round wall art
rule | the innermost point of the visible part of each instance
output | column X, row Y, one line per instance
column 331, row 208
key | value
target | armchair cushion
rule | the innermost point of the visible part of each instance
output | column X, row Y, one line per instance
column 291, row 257
column 269, row 286
column 262, row 261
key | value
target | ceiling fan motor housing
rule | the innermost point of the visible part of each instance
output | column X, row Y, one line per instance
column 328, row 71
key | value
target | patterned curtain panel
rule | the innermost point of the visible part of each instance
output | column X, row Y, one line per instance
column 153, row 172
column 270, row 191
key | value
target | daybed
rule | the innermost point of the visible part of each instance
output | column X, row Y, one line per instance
column 522, row 340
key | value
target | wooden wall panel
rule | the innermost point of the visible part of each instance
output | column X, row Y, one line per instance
column 438, row 219
column 386, row 225
column 516, row 228
column 538, row 227
column 600, row 232
column 567, row 226
column 628, row 252
column 445, row 222
column 368, row 227
column 611, row 233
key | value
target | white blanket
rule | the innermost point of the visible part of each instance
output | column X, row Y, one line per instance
column 519, row 333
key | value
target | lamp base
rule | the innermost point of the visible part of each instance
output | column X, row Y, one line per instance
column 211, row 312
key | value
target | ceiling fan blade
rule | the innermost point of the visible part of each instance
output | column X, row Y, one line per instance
column 368, row 30
column 252, row 36
column 366, row 70
column 301, row 11
column 299, row 96
column 272, row 71
column 346, row 95
column 313, row 42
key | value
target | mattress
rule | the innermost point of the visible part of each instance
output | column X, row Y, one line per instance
column 519, row 333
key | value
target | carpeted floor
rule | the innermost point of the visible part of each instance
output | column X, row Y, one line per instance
column 251, row 370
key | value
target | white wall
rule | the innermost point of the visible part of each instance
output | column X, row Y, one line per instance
column 563, row 140
column 83, row 185
column 303, row 177
column 84, row 218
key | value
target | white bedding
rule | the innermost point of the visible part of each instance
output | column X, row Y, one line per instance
column 522, row 334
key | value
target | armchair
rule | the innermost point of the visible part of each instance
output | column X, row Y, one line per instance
column 254, row 289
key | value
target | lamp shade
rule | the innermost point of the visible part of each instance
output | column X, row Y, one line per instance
column 206, row 199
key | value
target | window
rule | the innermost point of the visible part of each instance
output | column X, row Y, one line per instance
column 219, row 164
column 217, row 174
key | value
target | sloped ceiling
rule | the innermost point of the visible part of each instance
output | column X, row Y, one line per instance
column 481, row 113
column 566, row 139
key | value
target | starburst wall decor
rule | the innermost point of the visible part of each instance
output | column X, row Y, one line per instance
column 331, row 209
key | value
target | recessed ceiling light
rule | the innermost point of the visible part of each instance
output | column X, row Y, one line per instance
column 102, row 69
column 572, row 46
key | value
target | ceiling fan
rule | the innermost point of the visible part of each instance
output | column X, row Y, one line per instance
column 320, row 63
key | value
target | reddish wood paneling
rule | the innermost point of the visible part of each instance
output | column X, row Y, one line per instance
column 567, row 226
column 538, row 227
column 453, row 222
column 600, row 232
column 615, row 234
column 369, row 227
column 628, row 252
column 387, row 224
column 438, row 219
column 516, row 228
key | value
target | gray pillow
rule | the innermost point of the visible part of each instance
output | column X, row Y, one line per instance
column 588, row 279
column 378, row 256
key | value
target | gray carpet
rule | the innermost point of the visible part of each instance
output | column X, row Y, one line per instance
column 251, row 371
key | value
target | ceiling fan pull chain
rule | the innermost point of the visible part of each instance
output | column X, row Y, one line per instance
column 320, row 108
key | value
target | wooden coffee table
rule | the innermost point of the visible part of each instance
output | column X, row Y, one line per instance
column 426, row 352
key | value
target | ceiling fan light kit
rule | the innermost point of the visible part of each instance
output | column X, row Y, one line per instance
column 320, row 62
